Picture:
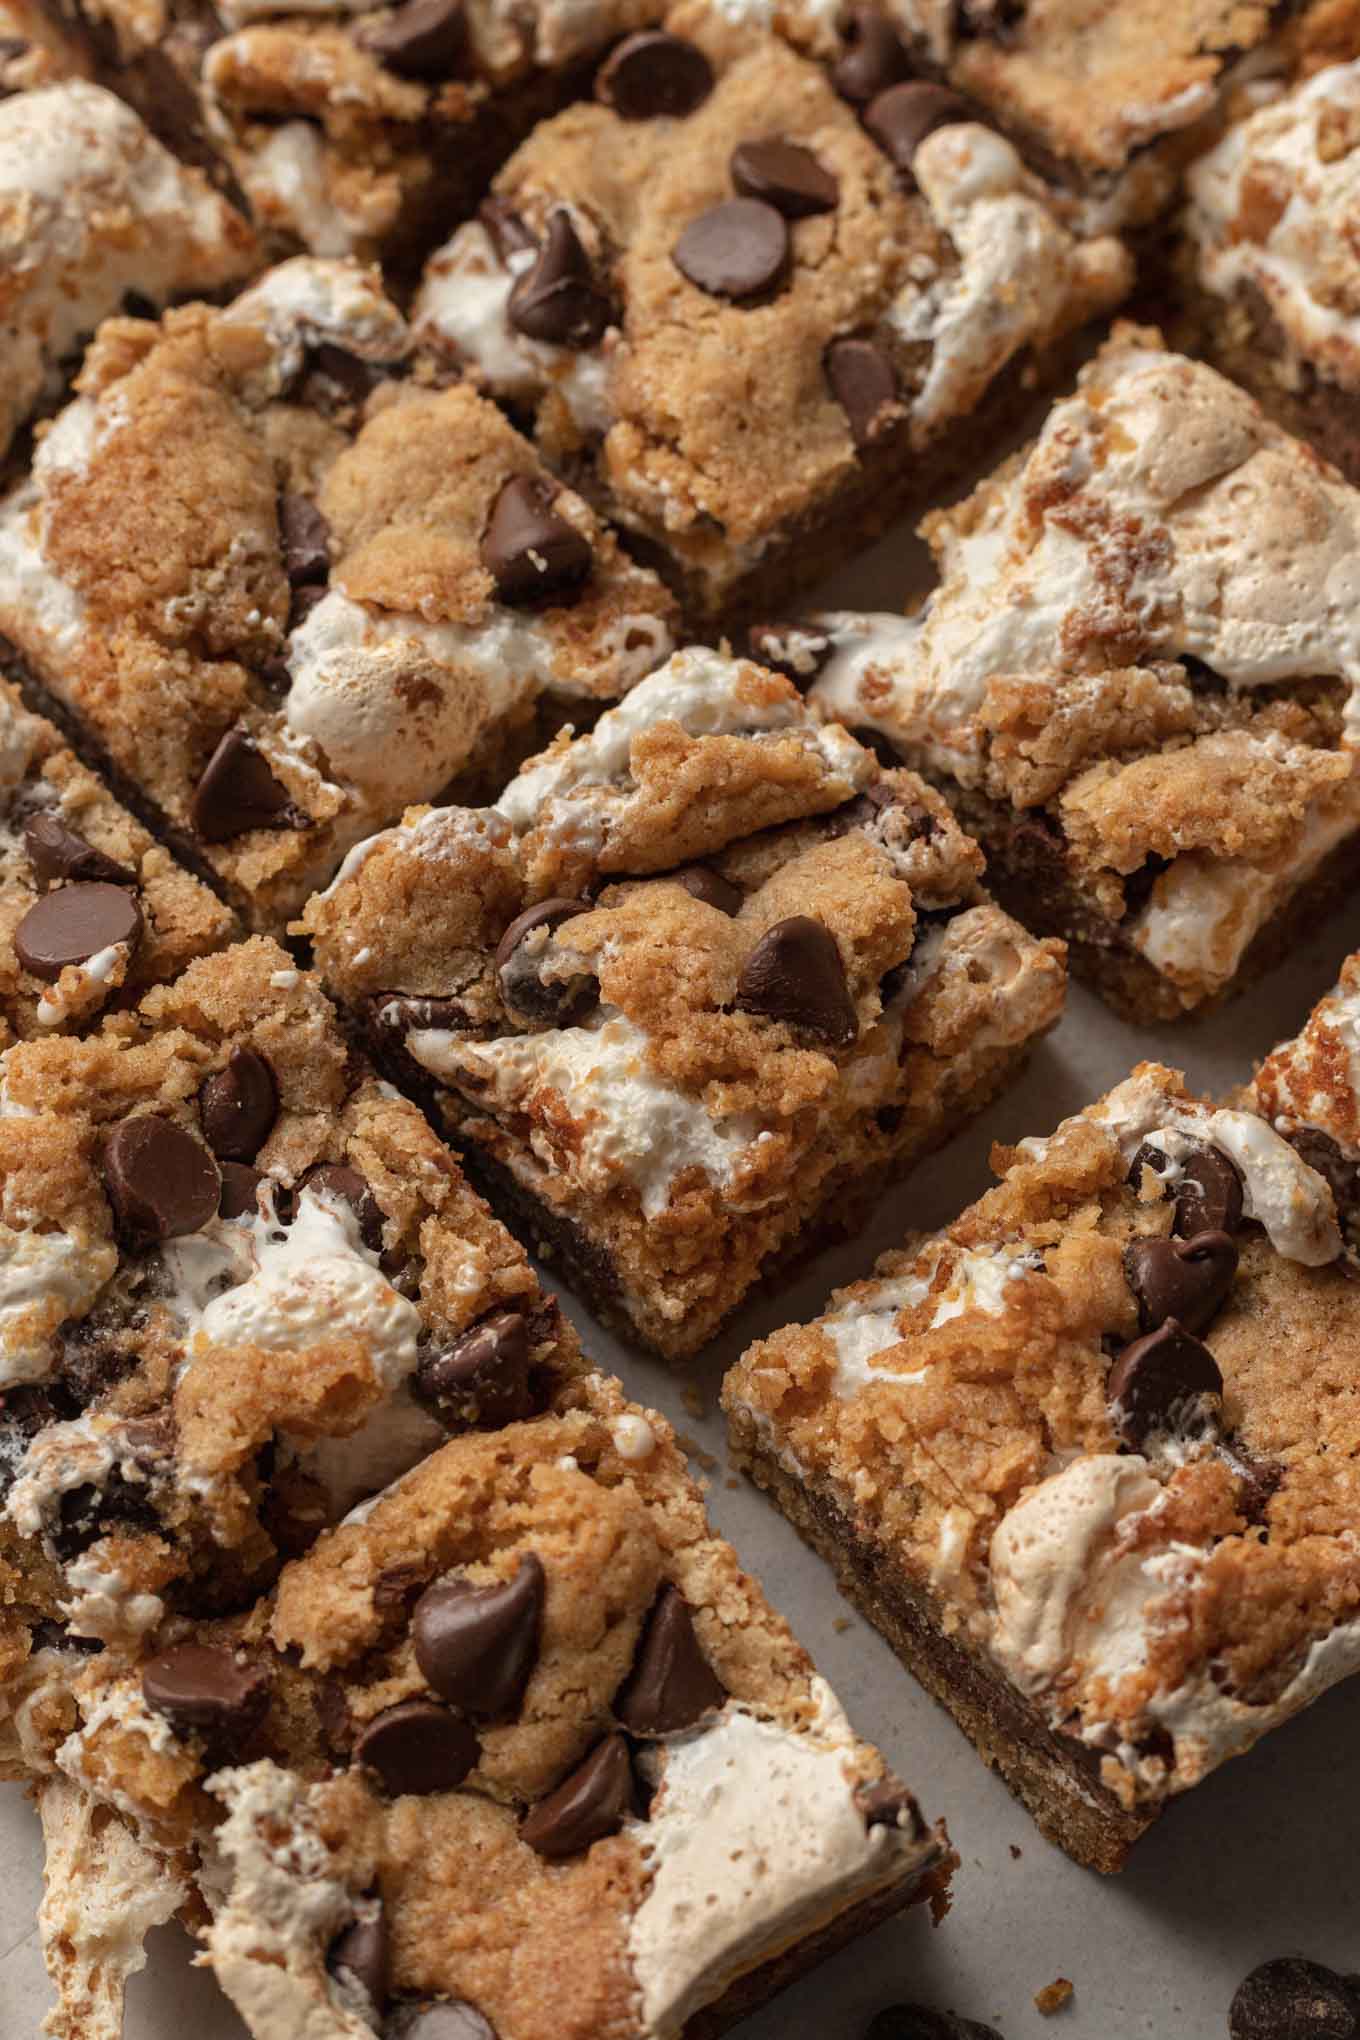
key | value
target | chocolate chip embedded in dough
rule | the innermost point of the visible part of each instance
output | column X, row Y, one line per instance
column 506, row 228
column 73, row 924
column 536, row 997
column 1209, row 1194
column 238, row 792
column 671, row 1684
column 204, row 1691
column 161, row 1182
column 795, row 974
column 58, row 852
column 338, row 1180
column 238, row 1105
column 483, row 1379
column 557, row 299
column 240, row 1190
column 531, row 553
column 361, row 1952
column 900, row 118
column 1184, row 1279
column 417, row 1747
column 1154, row 1377
column 477, row 1646
column 701, row 882
column 424, row 40
column 786, row 175
column 874, row 57
column 652, row 75
column 863, row 380
column 588, row 1805
column 1338, row 1170
column 305, row 539
column 737, row 250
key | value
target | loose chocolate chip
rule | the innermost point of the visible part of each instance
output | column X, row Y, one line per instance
column 531, row 996
column 507, row 231
column 786, row 176
column 238, row 1106
column 477, row 1646
column 418, row 1747
column 73, row 924
column 531, row 553
column 874, row 57
column 202, row 1691
column 305, row 537
column 671, row 1685
column 864, row 383
column 919, row 2022
column 482, row 1379
column 161, row 1182
column 736, row 250
column 361, row 1953
column 1155, row 1376
column 1184, row 1279
column 1338, row 1171
column 557, row 299
column 586, row 1806
column 900, row 118
column 652, row 74
column 239, row 792
column 887, row 1803
column 795, row 974
column 1291, row 1999
column 338, row 1181
column 424, row 39
column 240, row 1190
column 797, row 650
column 442, row 2019
column 56, row 852
column 703, row 883
column 1209, row 1194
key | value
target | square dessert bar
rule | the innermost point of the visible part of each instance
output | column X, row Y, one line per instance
column 1135, row 679
column 242, row 1285
column 696, row 983
column 1087, row 1456
column 753, row 320
column 92, row 910
column 280, row 586
column 517, row 1753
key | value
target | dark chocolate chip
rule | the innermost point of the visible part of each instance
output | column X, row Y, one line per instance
column 477, row 1646
column 1209, row 1194
column 238, row 792
column 588, row 1805
column 73, row 924
column 1184, row 1279
column 304, row 601
column 337, row 376
column 864, row 383
column 1292, row 1999
column 240, row 1190
column 337, row 1180
column 652, row 74
column 737, row 250
column 529, row 994
column 203, row 1691
column 57, row 852
column 418, row 1747
column 1337, row 1169
column 440, row 2019
column 900, row 118
column 1257, row 1478
column 874, row 57
column 671, row 1684
column 161, row 1182
column 1155, row 1376
column 701, row 882
column 508, row 233
column 797, row 650
column 305, row 537
column 531, row 553
column 887, row 1803
column 483, row 1379
column 795, row 974
column 360, row 1953
column 557, row 299
column 919, row 2022
column 238, row 1106
column 786, row 176
column 424, row 39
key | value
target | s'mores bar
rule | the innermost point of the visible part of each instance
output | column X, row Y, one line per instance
column 281, row 586
column 517, row 1753
column 1087, row 1455
column 1135, row 680
column 695, row 981
column 752, row 320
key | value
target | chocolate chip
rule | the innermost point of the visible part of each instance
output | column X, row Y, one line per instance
column 477, row 1646
column 73, row 924
column 1257, row 1479
column 530, row 994
column 56, row 852
column 204, row 1691
column 797, row 650
column 1291, row 1999
column 874, row 57
column 239, row 792
column 654, row 74
column 305, row 537
column 424, row 39
column 795, row 974
column 736, row 250
column 507, row 231
column 786, row 176
column 1209, row 1194
column 483, row 1379
column 900, row 118
column 864, row 383
column 887, row 1803
column 440, row 2019
column 588, row 1805
column 531, row 553
column 919, row 2022
column 671, row 1685
column 1155, row 1376
column 703, row 883
column 240, row 1190
column 418, row 1747
column 1184, row 1279
column 238, row 1106
column 336, row 1180
column 1338, row 1171
column 335, row 376
column 360, row 1954
column 161, row 1182
column 557, row 299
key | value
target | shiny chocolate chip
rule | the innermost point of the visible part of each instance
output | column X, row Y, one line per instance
column 1183, row 1279
column 238, row 1106
column 1154, row 1379
column 701, row 882
column 531, row 986
column 557, row 299
column 482, row 1380
column 305, row 538
column 1293, row 1999
column 344, row 1185
column 671, row 1684
column 873, row 59
column 238, row 792
column 360, row 1954
column 1338, row 1171
column 508, row 233
column 862, row 379
column 786, row 175
column 439, row 2019
column 477, row 1646
column 737, row 250
column 417, row 1747
column 795, row 974
column 900, row 118
column 204, row 1691
column 161, row 1182
column 587, row 1806
column 531, row 553
column 73, row 924
column 1209, row 1194
column 653, row 75
column 424, row 40
column 58, row 852
column 240, row 1196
